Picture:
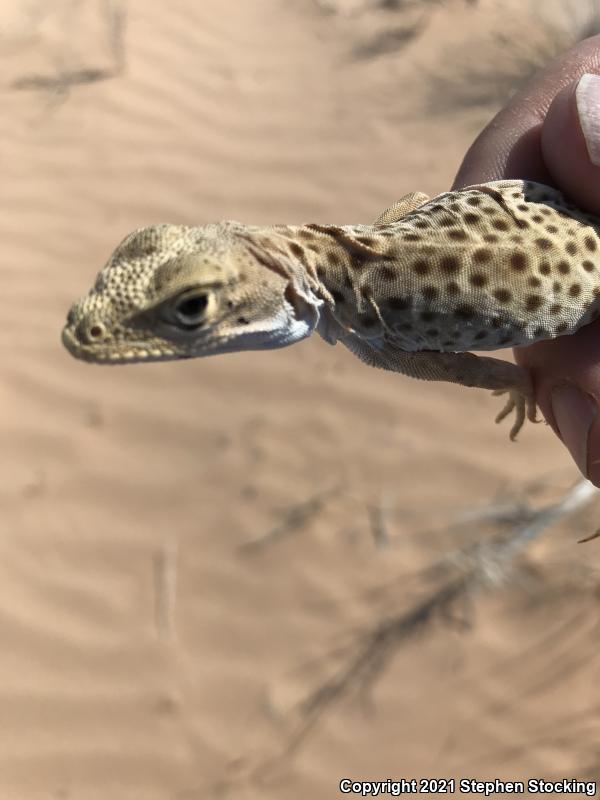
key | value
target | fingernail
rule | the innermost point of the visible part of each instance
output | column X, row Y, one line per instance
column 587, row 99
column 574, row 412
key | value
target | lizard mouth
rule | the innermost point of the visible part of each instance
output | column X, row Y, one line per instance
column 127, row 353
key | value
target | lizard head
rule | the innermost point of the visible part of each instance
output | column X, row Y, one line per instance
column 171, row 291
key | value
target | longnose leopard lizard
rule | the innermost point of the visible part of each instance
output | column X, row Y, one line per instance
column 494, row 265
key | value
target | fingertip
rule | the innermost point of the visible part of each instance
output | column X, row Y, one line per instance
column 587, row 102
column 574, row 413
column 570, row 141
column 566, row 377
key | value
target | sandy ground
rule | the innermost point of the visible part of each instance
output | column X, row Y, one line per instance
column 189, row 551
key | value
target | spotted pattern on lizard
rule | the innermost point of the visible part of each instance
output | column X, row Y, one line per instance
column 494, row 265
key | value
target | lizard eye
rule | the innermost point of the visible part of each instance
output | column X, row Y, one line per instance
column 190, row 309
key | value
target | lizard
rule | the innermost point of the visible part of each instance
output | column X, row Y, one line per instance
column 493, row 265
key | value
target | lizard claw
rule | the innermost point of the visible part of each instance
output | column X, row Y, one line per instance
column 523, row 405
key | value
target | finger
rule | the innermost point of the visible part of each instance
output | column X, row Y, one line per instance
column 510, row 146
column 566, row 371
column 570, row 138
column 566, row 376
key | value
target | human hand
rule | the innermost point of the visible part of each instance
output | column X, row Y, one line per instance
column 550, row 132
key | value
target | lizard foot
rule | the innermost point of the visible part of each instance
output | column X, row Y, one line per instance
column 522, row 404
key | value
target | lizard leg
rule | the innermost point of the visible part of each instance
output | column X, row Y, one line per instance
column 404, row 206
column 466, row 369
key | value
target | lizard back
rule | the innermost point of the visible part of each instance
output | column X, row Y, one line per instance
column 486, row 267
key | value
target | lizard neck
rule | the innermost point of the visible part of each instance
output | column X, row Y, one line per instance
column 330, row 259
column 300, row 255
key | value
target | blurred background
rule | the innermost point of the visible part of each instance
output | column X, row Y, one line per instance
column 253, row 575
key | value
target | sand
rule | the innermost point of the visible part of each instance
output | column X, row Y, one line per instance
column 189, row 550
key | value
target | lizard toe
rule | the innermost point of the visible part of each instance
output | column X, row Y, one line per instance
column 523, row 405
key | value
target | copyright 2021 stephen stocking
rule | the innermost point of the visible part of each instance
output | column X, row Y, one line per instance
column 396, row 787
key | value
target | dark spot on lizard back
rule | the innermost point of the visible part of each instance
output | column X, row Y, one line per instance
column 430, row 292
column 518, row 261
column 545, row 268
column 587, row 265
column 474, row 200
column 571, row 248
column 470, row 218
column 450, row 264
column 387, row 273
column 543, row 243
column 575, row 290
column 590, row 243
column 458, row 235
column 296, row 249
column 478, row 279
column 421, row 267
column 564, row 267
column 482, row 255
column 500, row 224
column 502, row 295
column 533, row 302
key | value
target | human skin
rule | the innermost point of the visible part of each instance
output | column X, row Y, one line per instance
column 550, row 132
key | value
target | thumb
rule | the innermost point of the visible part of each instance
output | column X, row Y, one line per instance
column 570, row 142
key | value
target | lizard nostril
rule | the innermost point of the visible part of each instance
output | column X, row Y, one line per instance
column 96, row 332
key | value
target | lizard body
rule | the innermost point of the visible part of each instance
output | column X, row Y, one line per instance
column 494, row 265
